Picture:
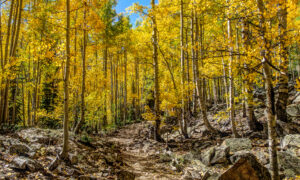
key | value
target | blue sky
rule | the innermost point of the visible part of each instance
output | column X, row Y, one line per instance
column 123, row 4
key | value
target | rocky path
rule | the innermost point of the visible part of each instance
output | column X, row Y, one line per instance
column 129, row 153
column 142, row 155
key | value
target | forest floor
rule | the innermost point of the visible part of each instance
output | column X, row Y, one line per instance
column 131, row 153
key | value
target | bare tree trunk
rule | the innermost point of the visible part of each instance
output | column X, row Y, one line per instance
column 75, row 93
column 225, row 82
column 215, row 92
column 105, row 84
column 188, row 106
column 125, row 87
column 111, row 88
column 156, row 76
column 194, row 110
column 253, row 124
column 201, row 100
column 183, row 123
column 82, row 106
column 35, row 93
column 4, row 99
column 270, row 109
column 116, row 92
column 65, row 149
column 29, row 94
column 284, row 64
column 231, row 81
column 23, row 100
column 137, row 102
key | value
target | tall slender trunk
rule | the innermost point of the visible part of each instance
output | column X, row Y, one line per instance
column 193, row 61
column 82, row 105
column 1, row 44
column 105, row 84
column 225, row 82
column 284, row 64
column 252, row 121
column 201, row 100
column 23, row 99
column 116, row 91
column 65, row 149
column 215, row 91
column 125, row 87
column 156, row 76
column 136, row 92
column 183, row 123
column 75, row 93
column 188, row 106
column 270, row 104
column 4, row 99
column 35, row 92
column 231, row 80
column 29, row 94
column 111, row 88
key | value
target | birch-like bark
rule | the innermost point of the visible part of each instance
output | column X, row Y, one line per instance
column 270, row 103
column 231, row 79
column 156, row 76
column 65, row 149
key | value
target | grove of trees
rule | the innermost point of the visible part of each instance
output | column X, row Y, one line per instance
column 79, row 65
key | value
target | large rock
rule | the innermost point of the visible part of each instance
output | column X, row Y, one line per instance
column 297, row 98
column 293, row 110
column 215, row 155
column 221, row 156
column 24, row 163
column 41, row 136
column 191, row 174
column 291, row 141
column 246, row 167
column 237, row 144
column 289, row 162
column 238, row 155
column 194, row 170
column 262, row 156
column 207, row 156
column 19, row 149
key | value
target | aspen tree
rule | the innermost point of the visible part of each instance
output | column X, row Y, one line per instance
column 270, row 100
column 231, row 78
column 156, row 76
column 183, row 122
column 64, row 153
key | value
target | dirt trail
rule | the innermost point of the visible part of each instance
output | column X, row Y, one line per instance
column 142, row 154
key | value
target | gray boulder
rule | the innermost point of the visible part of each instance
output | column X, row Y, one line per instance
column 221, row 156
column 207, row 156
column 237, row 155
column 237, row 144
column 215, row 155
column 293, row 110
column 24, row 163
column 291, row 141
column 289, row 162
column 297, row 98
